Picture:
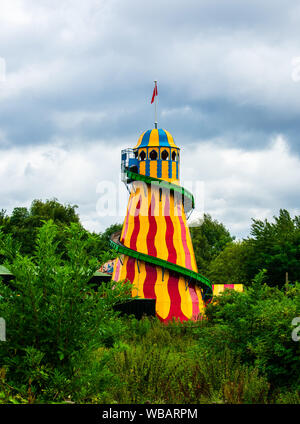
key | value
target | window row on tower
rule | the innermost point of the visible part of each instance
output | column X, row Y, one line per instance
column 157, row 153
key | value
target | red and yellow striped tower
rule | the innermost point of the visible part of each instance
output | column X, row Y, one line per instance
column 155, row 242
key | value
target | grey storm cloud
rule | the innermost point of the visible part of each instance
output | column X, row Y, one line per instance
column 79, row 77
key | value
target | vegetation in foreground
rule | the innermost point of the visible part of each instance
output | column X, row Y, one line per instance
column 65, row 342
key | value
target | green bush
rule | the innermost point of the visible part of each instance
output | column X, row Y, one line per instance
column 54, row 319
column 256, row 325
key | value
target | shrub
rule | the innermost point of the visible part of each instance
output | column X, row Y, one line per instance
column 54, row 319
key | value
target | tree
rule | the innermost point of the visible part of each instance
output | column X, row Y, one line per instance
column 55, row 321
column 275, row 247
column 23, row 223
column 229, row 266
column 209, row 239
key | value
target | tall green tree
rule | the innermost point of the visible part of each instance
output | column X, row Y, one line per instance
column 229, row 266
column 23, row 223
column 209, row 239
column 275, row 246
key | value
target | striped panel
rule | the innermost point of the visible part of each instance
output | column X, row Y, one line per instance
column 172, row 254
column 189, row 242
column 143, row 213
column 170, row 139
column 143, row 140
column 154, row 139
column 160, row 239
column 165, row 170
column 175, row 308
column 174, row 176
column 135, row 197
column 163, row 301
column 159, row 168
column 152, row 228
column 186, row 253
column 150, row 280
column 142, row 166
column 116, row 272
column 126, row 222
column 200, row 300
column 123, row 270
column 186, row 300
column 140, row 140
column 228, row 286
column 153, row 169
column 195, row 302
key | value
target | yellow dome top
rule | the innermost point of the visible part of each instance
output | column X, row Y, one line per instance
column 156, row 138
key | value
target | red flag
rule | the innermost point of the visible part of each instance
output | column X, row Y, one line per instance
column 154, row 93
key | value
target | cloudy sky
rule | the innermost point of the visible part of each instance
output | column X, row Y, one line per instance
column 76, row 79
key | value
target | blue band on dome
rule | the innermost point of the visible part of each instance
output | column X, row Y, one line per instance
column 163, row 138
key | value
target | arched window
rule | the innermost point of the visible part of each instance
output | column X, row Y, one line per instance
column 153, row 155
column 142, row 155
column 174, row 156
column 164, row 155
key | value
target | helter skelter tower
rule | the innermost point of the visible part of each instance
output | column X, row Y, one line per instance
column 155, row 242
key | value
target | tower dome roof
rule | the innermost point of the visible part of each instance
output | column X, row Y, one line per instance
column 156, row 138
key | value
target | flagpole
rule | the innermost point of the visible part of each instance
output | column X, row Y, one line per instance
column 155, row 105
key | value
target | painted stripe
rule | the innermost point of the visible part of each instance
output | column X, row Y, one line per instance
column 123, row 269
column 140, row 140
column 178, row 236
column 170, row 139
column 186, row 300
column 188, row 262
column 141, row 243
column 150, row 280
column 228, row 286
column 136, row 227
column 200, row 300
column 163, row 301
column 174, row 177
column 170, row 170
column 160, row 239
column 145, row 139
column 131, row 216
column 142, row 167
column 164, row 170
column 189, row 243
column 130, row 269
column 159, row 168
column 195, row 302
column 125, row 227
column 163, row 138
column 140, row 277
column 154, row 138
column 172, row 255
column 153, row 168
column 116, row 274
column 175, row 309
column 152, row 228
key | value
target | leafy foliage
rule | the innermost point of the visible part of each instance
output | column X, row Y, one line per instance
column 228, row 267
column 275, row 247
column 209, row 239
column 256, row 325
column 55, row 320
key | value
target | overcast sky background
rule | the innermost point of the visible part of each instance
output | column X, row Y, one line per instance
column 77, row 87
